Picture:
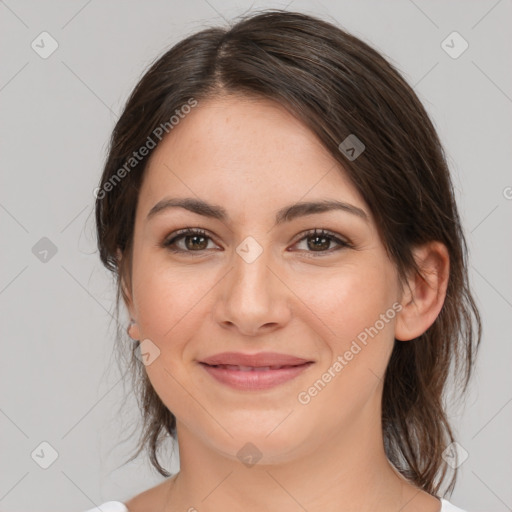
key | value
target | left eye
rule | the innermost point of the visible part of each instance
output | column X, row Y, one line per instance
column 196, row 240
column 322, row 239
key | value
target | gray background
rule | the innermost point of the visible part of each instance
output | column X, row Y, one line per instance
column 59, row 381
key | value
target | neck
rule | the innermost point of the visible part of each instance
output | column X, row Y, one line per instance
column 348, row 472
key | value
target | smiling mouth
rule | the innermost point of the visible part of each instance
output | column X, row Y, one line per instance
column 252, row 368
column 254, row 378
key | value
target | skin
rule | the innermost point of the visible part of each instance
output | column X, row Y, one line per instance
column 253, row 157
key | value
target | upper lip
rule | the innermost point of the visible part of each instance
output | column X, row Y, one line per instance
column 256, row 360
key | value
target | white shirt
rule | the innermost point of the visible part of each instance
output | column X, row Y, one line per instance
column 117, row 506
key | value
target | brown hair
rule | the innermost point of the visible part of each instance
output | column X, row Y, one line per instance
column 337, row 85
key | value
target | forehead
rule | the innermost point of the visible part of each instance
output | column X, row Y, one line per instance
column 244, row 151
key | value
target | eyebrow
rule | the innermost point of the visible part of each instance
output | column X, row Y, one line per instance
column 286, row 214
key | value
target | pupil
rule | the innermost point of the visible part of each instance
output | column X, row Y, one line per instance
column 195, row 237
column 324, row 245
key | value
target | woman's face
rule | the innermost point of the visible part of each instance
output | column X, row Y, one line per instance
column 247, row 284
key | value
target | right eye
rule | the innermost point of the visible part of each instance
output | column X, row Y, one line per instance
column 195, row 240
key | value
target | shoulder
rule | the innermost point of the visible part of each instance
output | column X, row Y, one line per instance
column 448, row 507
column 152, row 498
column 110, row 506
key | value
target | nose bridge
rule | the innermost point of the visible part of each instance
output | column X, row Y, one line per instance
column 250, row 278
column 252, row 296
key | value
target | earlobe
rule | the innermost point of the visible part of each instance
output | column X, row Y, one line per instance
column 424, row 294
column 133, row 331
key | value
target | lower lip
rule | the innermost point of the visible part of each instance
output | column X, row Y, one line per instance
column 255, row 380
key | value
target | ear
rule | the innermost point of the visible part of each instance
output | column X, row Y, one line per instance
column 133, row 329
column 424, row 295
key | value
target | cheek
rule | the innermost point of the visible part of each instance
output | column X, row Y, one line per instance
column 357, row 326
column 353, row 313
column 168, row 314
column 166, row 299
column 348, row 299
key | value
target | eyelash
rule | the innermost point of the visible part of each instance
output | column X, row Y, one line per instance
column 182, row 233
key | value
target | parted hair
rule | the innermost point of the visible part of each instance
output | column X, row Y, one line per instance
column 337, row 85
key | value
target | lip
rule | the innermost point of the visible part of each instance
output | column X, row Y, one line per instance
column 254, row 379
column 258, row 359
column 223, row 368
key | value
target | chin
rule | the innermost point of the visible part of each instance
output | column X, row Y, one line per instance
column 278, row 444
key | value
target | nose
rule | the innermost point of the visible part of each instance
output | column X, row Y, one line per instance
column 253, row 299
